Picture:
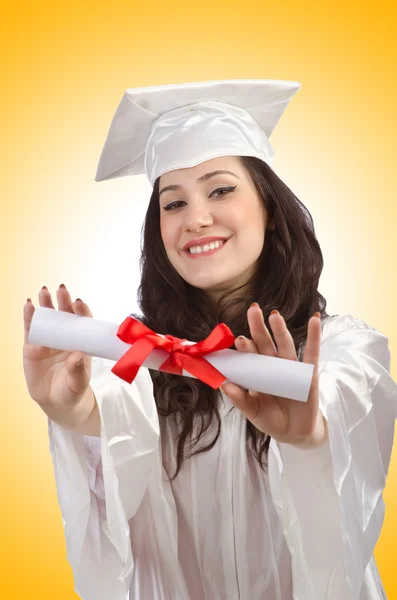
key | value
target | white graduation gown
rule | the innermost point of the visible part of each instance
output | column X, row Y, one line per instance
column 224, row 529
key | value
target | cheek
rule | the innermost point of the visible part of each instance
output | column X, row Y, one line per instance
column 169, row 235
column 165, row 232
column 250, row 219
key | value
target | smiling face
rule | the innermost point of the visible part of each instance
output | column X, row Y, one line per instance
column 212, row 223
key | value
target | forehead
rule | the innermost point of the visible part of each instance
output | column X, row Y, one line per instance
column 180, row 176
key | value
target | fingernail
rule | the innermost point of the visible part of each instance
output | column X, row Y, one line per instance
column 317, row 314
column 62, row 286
column 80, row 362
column 78, row 300
column 241, row 338
column 28, row 300
column 44, row 287
column 274, row 312
column 254, row 304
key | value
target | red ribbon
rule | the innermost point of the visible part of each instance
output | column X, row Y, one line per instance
column 182, row 357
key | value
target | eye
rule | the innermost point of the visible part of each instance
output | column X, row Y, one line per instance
column 222, row 191
column 173, row 205
column 226, row 190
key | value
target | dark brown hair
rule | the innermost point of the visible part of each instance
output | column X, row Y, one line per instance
column 286, row 279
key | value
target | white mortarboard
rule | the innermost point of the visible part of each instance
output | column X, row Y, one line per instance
column 163, row 128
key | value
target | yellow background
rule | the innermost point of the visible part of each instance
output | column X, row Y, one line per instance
column 65, row 66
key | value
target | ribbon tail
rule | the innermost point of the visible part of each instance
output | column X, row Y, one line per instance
column 129, row 364
column 197, row 366
column 171, row 366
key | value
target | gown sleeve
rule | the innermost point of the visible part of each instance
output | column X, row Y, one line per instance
column 329, row 499
column 101, row 481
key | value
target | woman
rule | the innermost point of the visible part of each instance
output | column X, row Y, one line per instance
column 172, row 490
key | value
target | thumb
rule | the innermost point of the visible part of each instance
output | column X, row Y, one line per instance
column 76, row 361
column 78, row 371
column 246, row 402
column 235, row 393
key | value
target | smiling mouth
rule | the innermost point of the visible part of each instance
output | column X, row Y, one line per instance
column 206, row 250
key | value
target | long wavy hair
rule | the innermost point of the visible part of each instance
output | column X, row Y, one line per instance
column 286, row 279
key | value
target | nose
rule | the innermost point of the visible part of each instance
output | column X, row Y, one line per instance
column 197, row 215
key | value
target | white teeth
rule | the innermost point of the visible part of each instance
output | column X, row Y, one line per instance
column 206, row 248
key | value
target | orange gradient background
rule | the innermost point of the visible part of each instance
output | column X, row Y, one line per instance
column 65, row 67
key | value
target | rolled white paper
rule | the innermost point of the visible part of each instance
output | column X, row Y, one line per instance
column 66, row 331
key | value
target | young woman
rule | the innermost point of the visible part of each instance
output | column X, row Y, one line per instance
column 171, row 490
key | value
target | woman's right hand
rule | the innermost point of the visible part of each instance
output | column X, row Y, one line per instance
column 57, row 380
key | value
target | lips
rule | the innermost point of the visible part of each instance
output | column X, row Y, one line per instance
column 206, row 253
column 203, row 241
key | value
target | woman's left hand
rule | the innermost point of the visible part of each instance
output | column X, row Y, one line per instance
column 285, row 420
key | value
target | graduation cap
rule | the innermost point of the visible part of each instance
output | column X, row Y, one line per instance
column 163, row 128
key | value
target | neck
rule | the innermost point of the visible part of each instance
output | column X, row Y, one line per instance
column 232, row 302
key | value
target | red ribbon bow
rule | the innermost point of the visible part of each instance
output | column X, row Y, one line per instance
column 182, row 357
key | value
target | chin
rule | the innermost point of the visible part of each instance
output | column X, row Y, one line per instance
column 206, row 286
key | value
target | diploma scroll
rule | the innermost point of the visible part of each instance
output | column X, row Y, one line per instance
column 69, row 332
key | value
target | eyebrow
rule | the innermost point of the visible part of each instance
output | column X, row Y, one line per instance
column 199, row 180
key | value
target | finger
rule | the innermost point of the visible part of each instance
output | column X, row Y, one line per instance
column 45, row 298
column 259, row 332
column 282, row 336
column 64, row 300
column 28, row 312
column 243, row 344
column 311, row 356
column 81, row 308
column 312, row 349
